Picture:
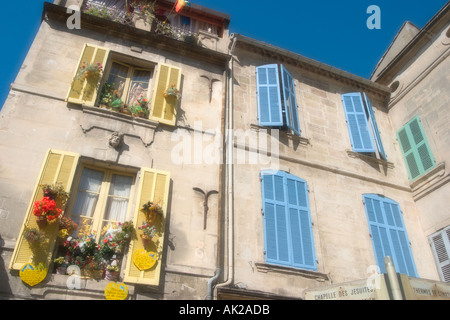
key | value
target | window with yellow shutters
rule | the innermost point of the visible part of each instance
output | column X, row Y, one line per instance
column 58, row 167
column 125, row 84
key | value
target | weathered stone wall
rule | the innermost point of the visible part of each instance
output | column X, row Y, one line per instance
column 36, row 118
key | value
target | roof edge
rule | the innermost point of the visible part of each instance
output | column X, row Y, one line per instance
column 338, row 73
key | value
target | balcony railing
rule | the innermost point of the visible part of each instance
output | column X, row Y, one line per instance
column 115, row 10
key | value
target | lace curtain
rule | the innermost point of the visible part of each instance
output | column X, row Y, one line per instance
column 89, row 190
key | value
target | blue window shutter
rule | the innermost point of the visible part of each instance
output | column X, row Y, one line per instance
column 290, row 101
column 376, row 131
column 357, row 123
column 288, row 236
column 276, row 239
column 301, row 233
column 269, row 96
column 389, row 237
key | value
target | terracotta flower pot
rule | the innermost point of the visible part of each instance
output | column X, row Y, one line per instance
column 41, row 222
column 146, row 240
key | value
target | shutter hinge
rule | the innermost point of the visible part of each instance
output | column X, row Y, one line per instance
column 264, row 252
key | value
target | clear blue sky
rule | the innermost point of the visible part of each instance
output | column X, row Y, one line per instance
column 332, row 32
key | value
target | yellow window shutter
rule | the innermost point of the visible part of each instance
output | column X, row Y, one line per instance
column 58, row 167
column 84, row 90
column 164, row 109
column 153, row 186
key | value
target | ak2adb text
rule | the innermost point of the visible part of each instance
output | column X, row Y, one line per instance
column 238, row 309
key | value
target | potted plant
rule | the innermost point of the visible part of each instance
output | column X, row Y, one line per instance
column 112, row 271
column 107, row 95
column 123, row 237
column 151, row 211
column 45, row 210
column 172, row 91
column 61, row 265
column 33, row 236
column 89, row 70
column 56, row 192
column 66, row 227
column 93, row 268
column 148, row 232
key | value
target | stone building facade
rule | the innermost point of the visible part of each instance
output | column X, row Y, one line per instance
column 275, row 173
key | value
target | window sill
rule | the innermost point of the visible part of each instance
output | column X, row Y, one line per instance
column 120, row 116
column 371, row 159
column 430, row 181
column 56, row 287
column 296, row 139
column 266, row 268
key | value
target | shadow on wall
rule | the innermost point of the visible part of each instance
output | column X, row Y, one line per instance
column 5, row 289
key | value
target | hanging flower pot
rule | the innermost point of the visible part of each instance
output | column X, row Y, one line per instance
column 33, row 236
column 146, row 240
column 41, row 222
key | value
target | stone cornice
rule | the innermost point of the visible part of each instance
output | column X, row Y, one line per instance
column 143, row 37
column 329, row 72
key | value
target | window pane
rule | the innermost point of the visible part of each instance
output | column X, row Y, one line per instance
column 118, row 198
column 118, row 76
column 138, row 86
column 86, row 200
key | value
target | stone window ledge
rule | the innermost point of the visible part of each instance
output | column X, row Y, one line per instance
column 299, row 140
column 368, row 158
column 430, row 181
column 266, row 268
column 56, row 287
column 120, row 116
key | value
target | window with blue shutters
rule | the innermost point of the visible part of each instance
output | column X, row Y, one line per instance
column 388, row 233
column 288, row 236
column 362, row 126
column 277, row 103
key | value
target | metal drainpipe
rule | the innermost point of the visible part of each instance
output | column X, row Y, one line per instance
column 229, row 173
column 218, row 272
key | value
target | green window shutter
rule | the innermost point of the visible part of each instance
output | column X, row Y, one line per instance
column 440, row 244
column 415, row 149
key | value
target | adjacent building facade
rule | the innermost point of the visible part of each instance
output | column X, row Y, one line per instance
column 272, row 173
